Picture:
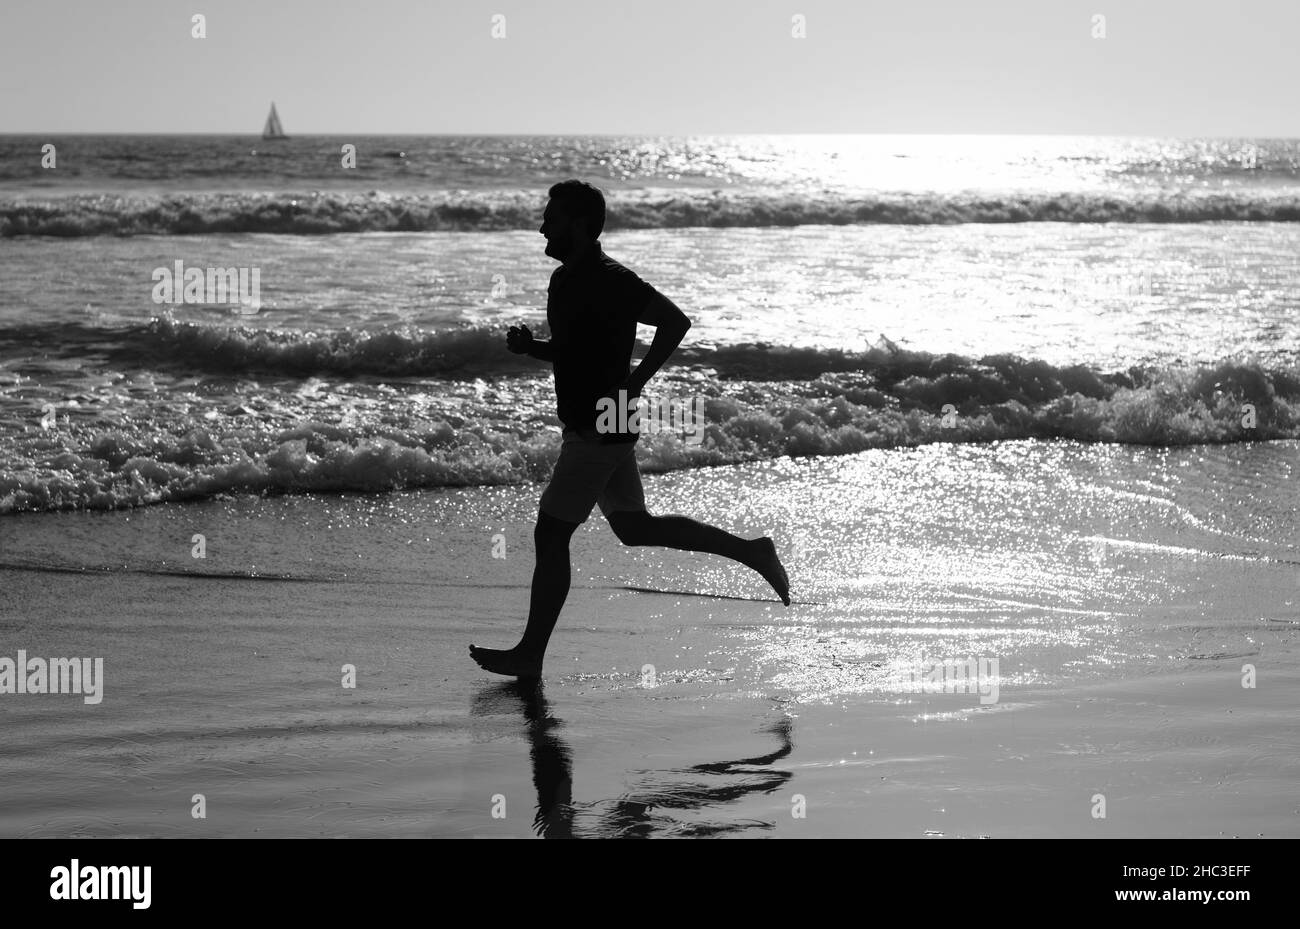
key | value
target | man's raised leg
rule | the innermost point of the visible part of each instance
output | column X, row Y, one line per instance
column 681, row 532
column 551, row 575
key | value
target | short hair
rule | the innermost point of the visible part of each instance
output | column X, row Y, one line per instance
column 581, row 201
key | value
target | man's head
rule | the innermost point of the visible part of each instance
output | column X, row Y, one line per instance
column 574, row 218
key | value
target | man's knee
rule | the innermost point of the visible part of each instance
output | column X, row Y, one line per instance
column 552, row 529
column 630, row 526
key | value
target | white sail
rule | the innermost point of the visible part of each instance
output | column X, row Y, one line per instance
column 273, row 129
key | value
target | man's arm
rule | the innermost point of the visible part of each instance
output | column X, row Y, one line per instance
column 542, row 351
column 670, row 325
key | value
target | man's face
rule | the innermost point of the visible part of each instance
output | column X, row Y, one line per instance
column 563, row 234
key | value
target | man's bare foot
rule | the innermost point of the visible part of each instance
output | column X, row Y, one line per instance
column 769, row 565
column 509, row 661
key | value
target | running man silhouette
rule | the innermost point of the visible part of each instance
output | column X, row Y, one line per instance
column 593, row 306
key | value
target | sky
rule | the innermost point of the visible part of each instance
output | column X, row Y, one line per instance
column 679, row 67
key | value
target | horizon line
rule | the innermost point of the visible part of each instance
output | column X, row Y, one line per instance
column 254, row 134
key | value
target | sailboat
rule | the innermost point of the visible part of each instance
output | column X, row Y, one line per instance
column 273, row 129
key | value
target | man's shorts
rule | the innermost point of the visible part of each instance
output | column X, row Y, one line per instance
column 590, row 472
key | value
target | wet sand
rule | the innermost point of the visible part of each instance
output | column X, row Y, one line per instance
column 1121, row 621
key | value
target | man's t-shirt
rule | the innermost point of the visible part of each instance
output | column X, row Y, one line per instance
column 592, row 310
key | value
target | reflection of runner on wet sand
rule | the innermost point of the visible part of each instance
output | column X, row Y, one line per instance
column 552, row 759
column 698, row 787
column 632, row 815
column 593, row 307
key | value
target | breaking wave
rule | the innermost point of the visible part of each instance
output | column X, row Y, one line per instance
column 760, row 402
column 320, row 213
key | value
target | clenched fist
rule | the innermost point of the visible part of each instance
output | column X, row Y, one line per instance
column 519, row 339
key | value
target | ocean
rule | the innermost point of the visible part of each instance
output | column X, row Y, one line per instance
column 1095, row 289
column 1027, row 398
